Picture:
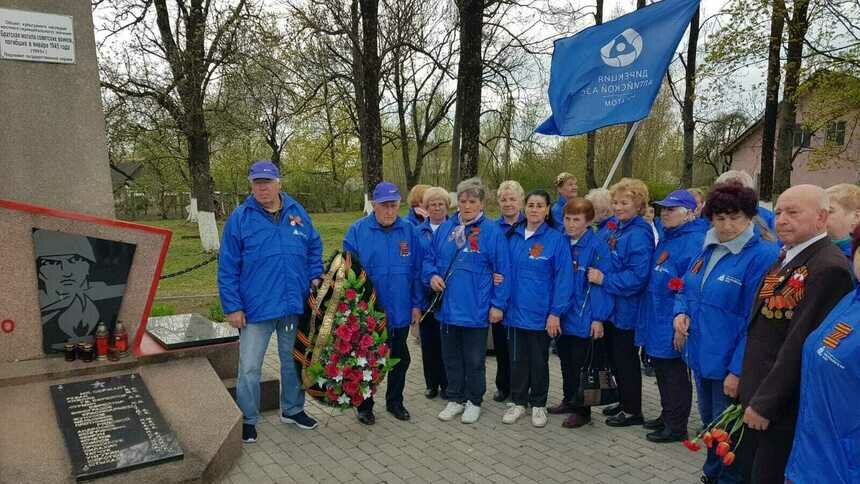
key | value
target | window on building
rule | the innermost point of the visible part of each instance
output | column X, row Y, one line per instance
column 802, row 136
column 836, row 133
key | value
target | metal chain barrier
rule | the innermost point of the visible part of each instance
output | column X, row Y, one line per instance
column 189, row 269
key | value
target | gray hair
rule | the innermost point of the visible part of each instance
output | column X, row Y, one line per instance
column 473, row 187
column 512, row 186
column 738, row 176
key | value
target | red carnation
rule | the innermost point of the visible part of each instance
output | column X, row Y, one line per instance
column 676, row 284
column 355, row 375
column 343, row 332
column 331, row 395
column 383, row 350
column 692, row 445
column 611, row 225
column 331, row 370
column 365, row 343
column 473, row 244
column 342, row 346
column 342, row 307
column 350, row 294
column 362, row 305
column 371, row 323
column 350, row 388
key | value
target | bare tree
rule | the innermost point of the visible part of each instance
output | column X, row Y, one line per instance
column 771, row 105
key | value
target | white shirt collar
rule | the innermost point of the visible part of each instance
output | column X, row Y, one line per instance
column 792, row 252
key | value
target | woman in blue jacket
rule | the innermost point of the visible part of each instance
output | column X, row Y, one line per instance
column 713, row 308
column 566, row 185
column 541, row 276
column 680, row 243
column 827, row 442
column 465, row 253
column 436, row 203
column 631, row 245
column 590, row 307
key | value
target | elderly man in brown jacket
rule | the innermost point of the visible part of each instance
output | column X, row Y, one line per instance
column 807, row 281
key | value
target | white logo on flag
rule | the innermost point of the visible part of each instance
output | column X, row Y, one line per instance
column 623, row 49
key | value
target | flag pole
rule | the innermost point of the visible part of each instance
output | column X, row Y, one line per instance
column 621, row 153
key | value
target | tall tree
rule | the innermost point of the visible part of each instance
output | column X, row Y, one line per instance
column 467, row 125
column 771, row 103
column 798, row 25
column 689, row 99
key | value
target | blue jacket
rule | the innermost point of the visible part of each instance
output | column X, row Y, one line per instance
column 768, row 217
column 557, row 212
column 470, row 291
column 719, row 307
column 541, row 277
column 413, row 217
column 827, row 442
column 606, row 228
column 264, row 268
column 587, row 305
column 702, row 223
column 673, row 256
column 631, row 266
column 392, row 259
column 506, row 226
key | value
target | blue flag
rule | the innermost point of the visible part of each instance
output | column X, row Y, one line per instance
column 611, row 73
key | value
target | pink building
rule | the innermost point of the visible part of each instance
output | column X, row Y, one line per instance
column 825, row 156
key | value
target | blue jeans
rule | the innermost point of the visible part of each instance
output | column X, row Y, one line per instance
column 464, row 351
column 253, row 341
column 712, row 402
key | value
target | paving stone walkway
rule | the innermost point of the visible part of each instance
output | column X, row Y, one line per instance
column 428, row 450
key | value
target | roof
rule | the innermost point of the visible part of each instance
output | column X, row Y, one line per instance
column 123, row 173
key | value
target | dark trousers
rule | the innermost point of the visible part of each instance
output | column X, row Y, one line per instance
column 761, row 457
column 397, row 376
column 503, row 360
column 676, row 392
column 431, row 353
column 529, row 352
column 573, row 354
column 464, row 351
column 624, row 359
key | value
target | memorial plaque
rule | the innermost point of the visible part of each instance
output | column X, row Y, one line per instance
column 36, row 37
column 112, row 425
column 187, row 330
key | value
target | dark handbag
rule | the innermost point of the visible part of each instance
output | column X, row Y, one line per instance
column 597, row 384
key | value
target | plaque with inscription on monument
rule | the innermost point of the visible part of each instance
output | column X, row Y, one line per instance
column 112, row 425
column 187, row 330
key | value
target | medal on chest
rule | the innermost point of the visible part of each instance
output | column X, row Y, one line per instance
column 780, row 297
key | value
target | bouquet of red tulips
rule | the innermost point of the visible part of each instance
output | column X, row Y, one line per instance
column 721, row 434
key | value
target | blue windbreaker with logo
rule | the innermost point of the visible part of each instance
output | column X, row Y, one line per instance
column 392, row 258
column 631, row 266
column 588, row 302
column 719, row 307
column 265, row 268
column 674, row 253
column 541, row 277
column 470, row 291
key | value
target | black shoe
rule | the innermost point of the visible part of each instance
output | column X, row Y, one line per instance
column 656, row 424
column 621, row 419
column 301, row 420
column 366, row 417
column 612, row 410
column 665, row 436
column 444, row 394
column 399, row 412
column 500, row 396
column 431, row 393
column 708, row 480
column 249, row 433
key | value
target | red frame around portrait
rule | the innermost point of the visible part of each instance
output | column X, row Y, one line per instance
column 167, row 234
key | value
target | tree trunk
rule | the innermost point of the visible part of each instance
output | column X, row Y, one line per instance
column 689, row 98
column 469, row 84
column 202, row 186
column 797, row 27
column 591, row 137
column 454, row 169
column 358, row 88
column 771, row 105
column 399, row 95
column 370, row 65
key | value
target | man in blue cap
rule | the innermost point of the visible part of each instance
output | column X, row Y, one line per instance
column 389, row 249
column 271, row 255
column 681, row 242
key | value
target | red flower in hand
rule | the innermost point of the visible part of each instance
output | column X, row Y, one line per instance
column 342, row 308
column 722, row 449
column 362, row 305
column 676, row 284
column 708, row 439
column 692, row 445
column 383, row 350
column 612, row 225
column 351, row 294
column 720, row 435
column 729, row 458
column 365, row 343
column 371, row 323
column 331, row 370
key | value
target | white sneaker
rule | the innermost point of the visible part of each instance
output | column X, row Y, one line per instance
column 539, row 416
column 450, row 411
column 471, row 414
column 513, row 414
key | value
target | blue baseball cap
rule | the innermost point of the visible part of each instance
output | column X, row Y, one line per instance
column 679, row 198
column 386, row 192
column 263, row 169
